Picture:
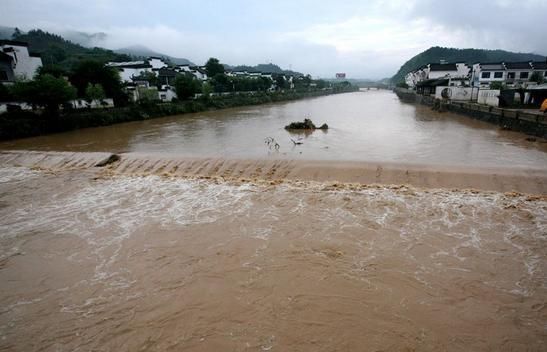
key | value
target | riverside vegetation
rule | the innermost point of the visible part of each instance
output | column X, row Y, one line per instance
column 74, row 72
column 19, row 124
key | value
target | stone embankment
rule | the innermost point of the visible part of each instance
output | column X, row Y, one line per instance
column 526, row 121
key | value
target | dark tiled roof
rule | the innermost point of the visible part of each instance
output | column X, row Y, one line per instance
column 167, row 72
column 433, row 82
column 443, row 67
column 518, row 65
column 492, row 66
column 12, row 42
column 541, row 65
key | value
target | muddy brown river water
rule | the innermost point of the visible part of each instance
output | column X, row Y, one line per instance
column 364, row 126
column 230, row 254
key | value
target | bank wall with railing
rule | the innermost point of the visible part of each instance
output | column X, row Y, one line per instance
column 522, row 120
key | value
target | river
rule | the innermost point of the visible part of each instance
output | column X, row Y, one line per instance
column 147, row 254
column 364, row 126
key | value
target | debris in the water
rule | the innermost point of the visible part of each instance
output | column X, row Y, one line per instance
column 271, row 143
column 296, row 142
column 306, row 125
column 111, row 159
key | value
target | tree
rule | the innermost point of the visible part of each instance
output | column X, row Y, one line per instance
column 16, row 33
column 54, row 70
column 402, row 85
column 95, row 72
column 187, row 86
column 5, row 93
column 94, row 92
column 280, row 82
column 148, row 76
column 221, row 83
column 214, row 67
column 46, row 91
column 206, row 89
column 321, row 84
column 497, row 85
column 147, row 95
column 537, row 77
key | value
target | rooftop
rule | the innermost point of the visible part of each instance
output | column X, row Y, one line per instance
column 492, row 66
column 443, row 67
column 12, row 42
column 518, row 65
column 542, row 65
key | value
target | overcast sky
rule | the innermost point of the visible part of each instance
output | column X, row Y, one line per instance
column 365, row 39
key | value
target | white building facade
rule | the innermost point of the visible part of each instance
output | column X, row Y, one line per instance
column 17, row 62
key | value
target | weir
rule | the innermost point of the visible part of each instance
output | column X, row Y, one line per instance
column 526, row 180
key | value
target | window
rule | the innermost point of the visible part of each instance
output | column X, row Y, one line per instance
column 3, row 76
column 485, row 75
column 498, row 74
column 524, row 75
column 545, row 74
column 511, row 75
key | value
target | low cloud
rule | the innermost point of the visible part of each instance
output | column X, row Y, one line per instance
column 364, row 39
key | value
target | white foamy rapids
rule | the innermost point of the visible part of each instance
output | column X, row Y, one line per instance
column 115, row 208
column 432, row 232
column 16, row 174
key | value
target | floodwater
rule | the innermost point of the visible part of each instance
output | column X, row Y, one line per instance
column 98, row 263
column 364, row 126
column 179, row 254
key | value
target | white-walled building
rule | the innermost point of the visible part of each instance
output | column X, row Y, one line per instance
column 457, row 73
column 511, row 74
column 486, row 73
column 131, row 69
column 518, row 73
column 156, row 63
column 16, row 62
column 198, row 72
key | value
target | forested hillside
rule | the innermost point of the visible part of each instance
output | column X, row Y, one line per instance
column 55, row 50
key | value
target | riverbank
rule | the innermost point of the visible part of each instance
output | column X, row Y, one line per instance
column 28, row 124
column 527, row 121
column 340, row 174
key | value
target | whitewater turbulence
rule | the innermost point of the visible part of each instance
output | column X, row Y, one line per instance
column 104, row 261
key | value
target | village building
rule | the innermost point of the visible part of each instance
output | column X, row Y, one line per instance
column 16, row 62
column 130, row 69
column 518, row 73
column 167, row 76
column 541, row 68
column 456, row 73
column 485, row 73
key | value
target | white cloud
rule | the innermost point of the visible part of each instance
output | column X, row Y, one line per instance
column 365, row 39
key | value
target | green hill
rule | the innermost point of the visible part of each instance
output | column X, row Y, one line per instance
column 55, row 50
column 469, row 56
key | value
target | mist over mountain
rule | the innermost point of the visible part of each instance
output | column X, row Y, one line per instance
column 142, row 51
column 89, row 40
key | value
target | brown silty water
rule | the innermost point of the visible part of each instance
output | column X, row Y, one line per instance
column 205, row 253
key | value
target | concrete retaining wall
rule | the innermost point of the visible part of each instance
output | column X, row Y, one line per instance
column 528, row 122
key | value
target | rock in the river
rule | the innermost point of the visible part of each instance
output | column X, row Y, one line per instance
column 306, row 125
